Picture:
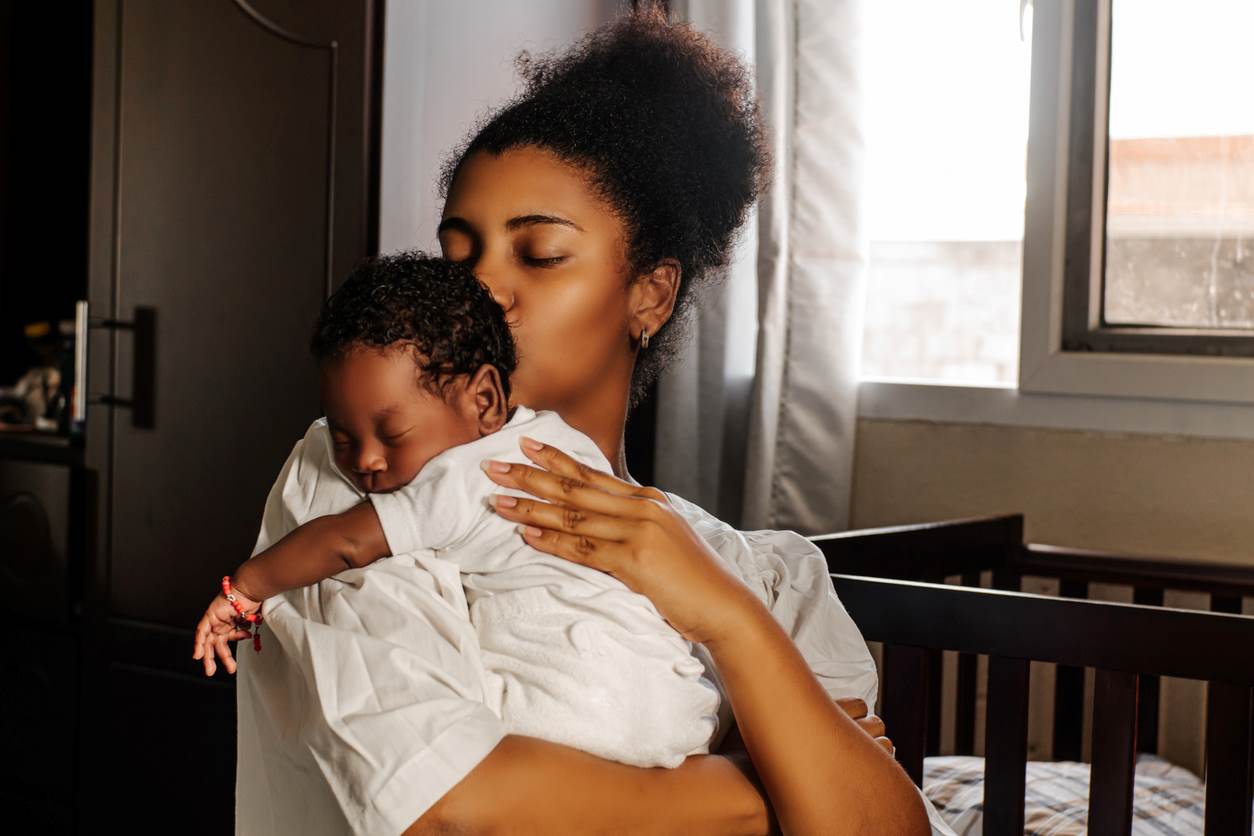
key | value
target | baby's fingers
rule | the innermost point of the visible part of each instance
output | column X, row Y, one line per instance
column 210, row 666
column 202, row 633
column 224, row 650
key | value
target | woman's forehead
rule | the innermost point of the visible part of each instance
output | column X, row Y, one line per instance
column 522, row 187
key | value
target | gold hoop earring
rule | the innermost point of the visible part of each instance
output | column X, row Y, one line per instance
column 644, row 339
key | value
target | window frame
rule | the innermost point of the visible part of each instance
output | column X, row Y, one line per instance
column 1193, row 396
column 1084, row 327
column 1063, row 349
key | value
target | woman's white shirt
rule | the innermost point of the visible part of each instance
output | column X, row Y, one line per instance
column 365, row 705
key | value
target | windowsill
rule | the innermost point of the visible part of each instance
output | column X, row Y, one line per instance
column 1005, row 405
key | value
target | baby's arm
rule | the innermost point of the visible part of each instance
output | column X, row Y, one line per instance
column 314, row 551
column 430, row 512
column 307, row 554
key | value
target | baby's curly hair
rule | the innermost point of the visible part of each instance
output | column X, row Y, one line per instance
column 415, row 298
column 665, row 124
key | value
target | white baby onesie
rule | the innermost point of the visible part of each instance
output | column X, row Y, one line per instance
column 571, row 655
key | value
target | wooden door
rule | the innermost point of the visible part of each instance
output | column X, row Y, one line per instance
column 233, row 146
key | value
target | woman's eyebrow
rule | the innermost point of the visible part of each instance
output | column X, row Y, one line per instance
column 512, row 224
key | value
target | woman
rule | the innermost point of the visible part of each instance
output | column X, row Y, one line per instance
column 594, row 206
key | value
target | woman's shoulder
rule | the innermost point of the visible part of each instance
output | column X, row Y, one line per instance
column 762, row 557
column 709, row 525
column 315, row 458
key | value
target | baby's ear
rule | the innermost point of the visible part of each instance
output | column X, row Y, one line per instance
column 488, row 396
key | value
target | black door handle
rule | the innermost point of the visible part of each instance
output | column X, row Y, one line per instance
column 143, row 400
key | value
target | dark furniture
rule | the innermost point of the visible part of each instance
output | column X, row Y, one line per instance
column 201, row 173
column 891, row 581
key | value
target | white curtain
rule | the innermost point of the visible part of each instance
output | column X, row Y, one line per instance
column 756, row 420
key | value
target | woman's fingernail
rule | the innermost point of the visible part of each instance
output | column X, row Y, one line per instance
column 532, row 531
column 498, row 467
column 503, row 501
column 530, row 443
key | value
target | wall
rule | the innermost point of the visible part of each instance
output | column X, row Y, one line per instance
column 1140, row 494
column 445, row 65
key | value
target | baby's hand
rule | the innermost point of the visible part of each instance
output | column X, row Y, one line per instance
column 220, row 624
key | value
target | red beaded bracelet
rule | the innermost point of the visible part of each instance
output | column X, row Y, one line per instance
column 254, row 618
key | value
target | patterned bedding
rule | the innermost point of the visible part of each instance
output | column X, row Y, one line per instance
column 1167, row 799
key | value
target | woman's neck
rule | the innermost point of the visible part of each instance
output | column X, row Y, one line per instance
column 602, row 416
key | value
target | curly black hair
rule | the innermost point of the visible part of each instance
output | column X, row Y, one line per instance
column 665, row 126
column 438, row 306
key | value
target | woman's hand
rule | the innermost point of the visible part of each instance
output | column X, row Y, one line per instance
column 856, row 708
column 596, row 519
column 220, row 624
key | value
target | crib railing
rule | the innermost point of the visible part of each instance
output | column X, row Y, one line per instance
column 1149, row 578
column 962, row 548
column 932, row 552
column 1122, row 642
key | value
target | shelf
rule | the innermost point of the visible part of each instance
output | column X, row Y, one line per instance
column 40, row 446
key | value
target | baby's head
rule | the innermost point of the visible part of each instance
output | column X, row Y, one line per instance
column 414, row 357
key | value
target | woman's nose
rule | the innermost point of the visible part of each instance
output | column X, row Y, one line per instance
column 502, row 291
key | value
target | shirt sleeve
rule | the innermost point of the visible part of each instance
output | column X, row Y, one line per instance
column 433, row 511
column 789, row 575
column 371, row 678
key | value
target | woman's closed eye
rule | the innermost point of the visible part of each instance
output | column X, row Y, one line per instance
column 544, row 262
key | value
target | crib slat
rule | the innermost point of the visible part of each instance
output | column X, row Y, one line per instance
column 1114, row 752
column 968, row 670
column 905, row 705
column 1007, row 578
column 964, row 721
column 1225, row 603
column 1228, row 767
column 1069, row 693
column 1005, row 745
column 1228, row 751
column 1147, row 700
column 935, row 676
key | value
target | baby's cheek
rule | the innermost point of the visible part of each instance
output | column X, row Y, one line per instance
column 405, row 465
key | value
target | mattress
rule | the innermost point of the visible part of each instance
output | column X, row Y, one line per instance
column 1167, row 799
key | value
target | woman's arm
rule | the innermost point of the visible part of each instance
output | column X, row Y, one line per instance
column 818, row 767
column 529, row 785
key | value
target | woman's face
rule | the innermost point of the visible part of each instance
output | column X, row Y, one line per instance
column 554, row 256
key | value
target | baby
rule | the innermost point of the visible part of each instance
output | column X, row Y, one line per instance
column 414, row 358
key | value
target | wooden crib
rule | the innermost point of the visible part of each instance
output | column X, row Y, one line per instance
column 892, row 581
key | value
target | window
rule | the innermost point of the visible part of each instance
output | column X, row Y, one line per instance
column 1136, row 291
column 946, row 95
column 1160, row 204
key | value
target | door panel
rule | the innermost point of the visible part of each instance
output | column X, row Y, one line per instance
column 240, row 199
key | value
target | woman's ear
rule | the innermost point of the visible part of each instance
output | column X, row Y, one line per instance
column 487, row 398
column 653, row 297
